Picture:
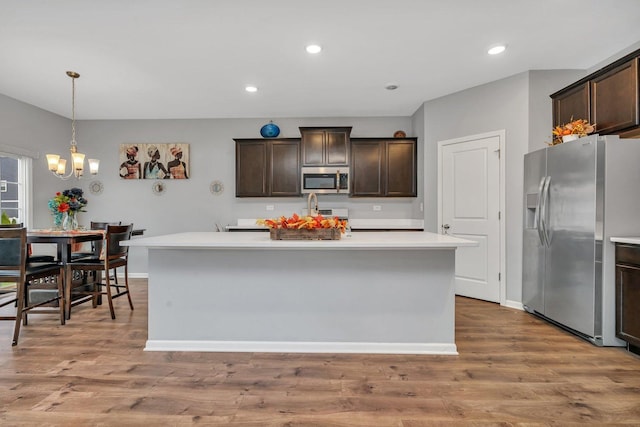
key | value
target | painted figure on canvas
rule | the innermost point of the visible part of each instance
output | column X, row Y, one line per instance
column 177, row 167
column 154, row 160
column 153, row 169
column 130, row 169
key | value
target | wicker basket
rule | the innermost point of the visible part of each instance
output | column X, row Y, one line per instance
column 305, row 234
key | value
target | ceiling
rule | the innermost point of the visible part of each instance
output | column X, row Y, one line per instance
column 150, row 59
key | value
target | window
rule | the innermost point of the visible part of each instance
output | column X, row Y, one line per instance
column 15, row 172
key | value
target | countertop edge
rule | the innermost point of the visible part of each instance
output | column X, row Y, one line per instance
column 249, row 240
column 628, row 240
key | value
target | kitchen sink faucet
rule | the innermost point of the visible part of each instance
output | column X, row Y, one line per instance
column 313, row 212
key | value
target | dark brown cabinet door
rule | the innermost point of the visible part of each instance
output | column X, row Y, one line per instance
column 615, row 98
column 337, row 147
column 572, row 104
column 383, row 167
column 251, row 168
column 285, row 167
column 401, row 169
column 313, row 147
column 628, row 293
column 367, row 160
column 325, row 146
column 267, row 168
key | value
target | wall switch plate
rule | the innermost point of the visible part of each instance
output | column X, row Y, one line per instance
column 421, row 207
column 269, row 207
column 377, row 207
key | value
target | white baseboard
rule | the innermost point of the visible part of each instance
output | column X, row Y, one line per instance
column 134, row 275
column 301, row 347
column 514, row 304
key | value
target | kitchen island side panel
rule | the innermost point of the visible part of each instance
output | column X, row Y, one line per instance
column 395, row 301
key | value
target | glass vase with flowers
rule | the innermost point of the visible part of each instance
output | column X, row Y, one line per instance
column 65, row 206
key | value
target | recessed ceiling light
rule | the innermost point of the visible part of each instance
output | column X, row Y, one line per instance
column 496, row 49
column 313, row 48
column 251, row 89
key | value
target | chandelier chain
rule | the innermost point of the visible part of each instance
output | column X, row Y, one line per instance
column 57, row 165
column 73, row 111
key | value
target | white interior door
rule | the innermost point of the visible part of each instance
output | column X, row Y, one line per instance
column 469, row 195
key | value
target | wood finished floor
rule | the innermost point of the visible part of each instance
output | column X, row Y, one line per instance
column 513, row 369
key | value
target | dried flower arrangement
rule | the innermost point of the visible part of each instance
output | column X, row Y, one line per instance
column 579, row 127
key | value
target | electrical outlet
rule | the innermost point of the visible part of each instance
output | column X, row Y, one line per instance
column 269, row 207
column 377, row 207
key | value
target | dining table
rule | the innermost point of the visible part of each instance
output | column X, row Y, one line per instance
column 66, row 241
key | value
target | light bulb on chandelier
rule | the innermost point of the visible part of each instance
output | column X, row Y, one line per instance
column 58, row 166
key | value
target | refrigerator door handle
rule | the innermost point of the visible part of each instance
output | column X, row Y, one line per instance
column 536, row 216
column 543, row 210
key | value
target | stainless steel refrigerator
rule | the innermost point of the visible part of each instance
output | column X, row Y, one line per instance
column 576, row 196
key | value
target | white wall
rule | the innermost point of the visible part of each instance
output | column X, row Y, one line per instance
column 188, row 205
column 25, row 128
column 519, row 104
column 612, row 58
column 494, row 106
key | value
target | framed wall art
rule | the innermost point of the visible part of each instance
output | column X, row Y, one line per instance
column 154, row 161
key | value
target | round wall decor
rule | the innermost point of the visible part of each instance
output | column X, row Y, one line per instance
column 399, row 134
column 159, row 188
column 96, row 187
column 216, row 188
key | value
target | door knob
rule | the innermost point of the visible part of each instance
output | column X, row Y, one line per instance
column 445, row 228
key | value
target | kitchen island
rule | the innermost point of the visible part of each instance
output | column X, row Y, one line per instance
column 375, row 292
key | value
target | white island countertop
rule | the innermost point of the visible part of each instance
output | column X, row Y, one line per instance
column 628, row 240
column 371, row 292
column 400, row 240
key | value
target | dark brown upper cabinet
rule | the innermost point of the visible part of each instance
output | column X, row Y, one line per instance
column 572, row 105
column 615, row 98
column 268, row 167
column 325, row 146
column 383, row 167
column 609, row 98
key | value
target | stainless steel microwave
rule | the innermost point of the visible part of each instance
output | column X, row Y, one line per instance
column 325, row 180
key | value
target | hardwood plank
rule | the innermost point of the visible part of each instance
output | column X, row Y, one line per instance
column 513, row 369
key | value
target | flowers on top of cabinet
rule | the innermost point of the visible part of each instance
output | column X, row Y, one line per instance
column 579, row 127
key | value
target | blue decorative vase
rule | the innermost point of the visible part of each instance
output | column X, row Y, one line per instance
column 270, row 130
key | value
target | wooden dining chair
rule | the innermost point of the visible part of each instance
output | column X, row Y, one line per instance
column 113, row 256
column 8, row 288
column 96, row 245
column 15, row 269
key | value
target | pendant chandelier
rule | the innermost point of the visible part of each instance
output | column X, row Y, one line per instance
column 57, row 166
